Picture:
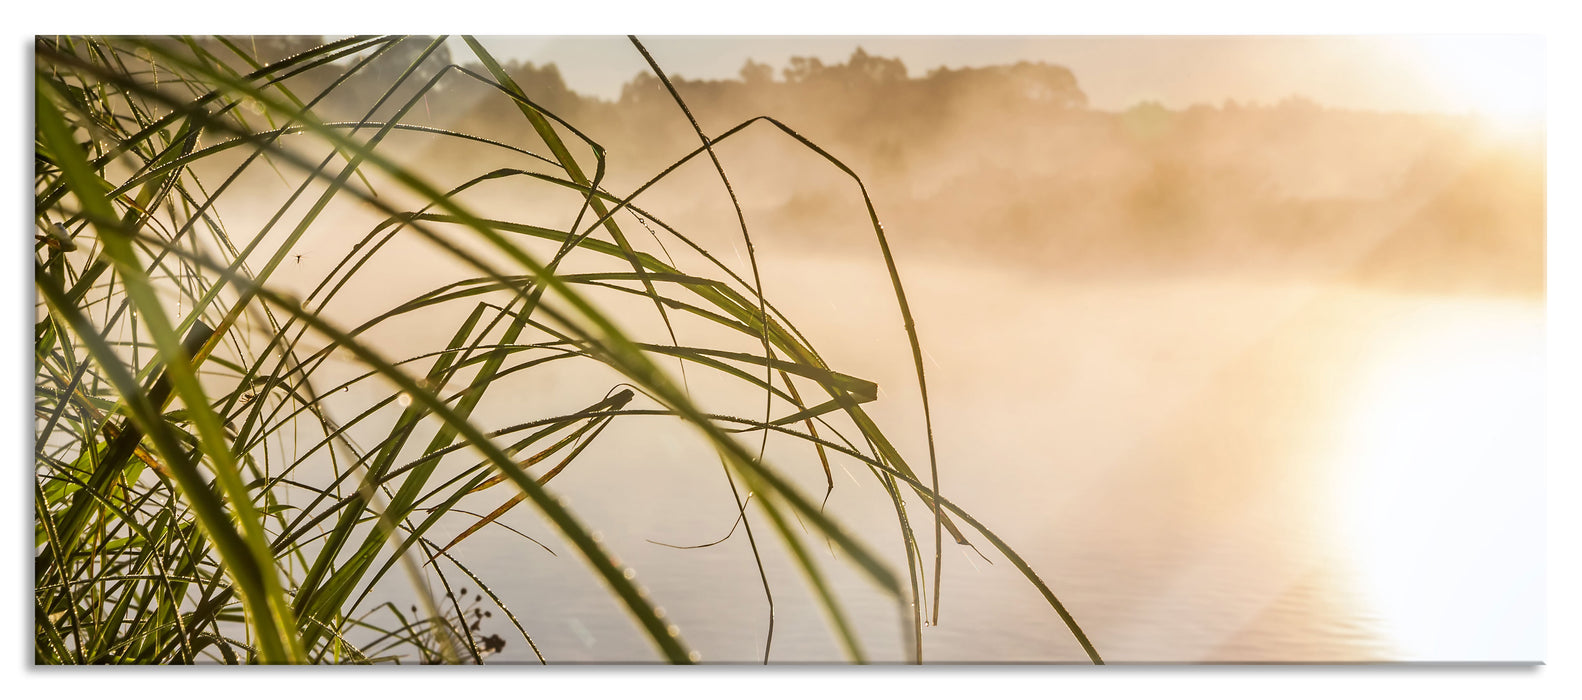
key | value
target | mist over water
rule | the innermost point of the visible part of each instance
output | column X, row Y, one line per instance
column 1148, row 335
column 1172, row 458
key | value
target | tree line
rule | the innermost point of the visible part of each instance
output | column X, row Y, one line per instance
column 1009, row 161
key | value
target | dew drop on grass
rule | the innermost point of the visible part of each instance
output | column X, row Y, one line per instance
column 404, row 399
column 694, row 656
column 629, row 573
column 673, row 631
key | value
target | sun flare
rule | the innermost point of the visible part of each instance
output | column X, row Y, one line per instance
column 1441, row 501
column 1499, row 78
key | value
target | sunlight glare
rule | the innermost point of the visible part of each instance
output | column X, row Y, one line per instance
column 1442, row 499
column 1500, row 78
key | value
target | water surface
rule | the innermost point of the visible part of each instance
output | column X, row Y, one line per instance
column 1204, row 470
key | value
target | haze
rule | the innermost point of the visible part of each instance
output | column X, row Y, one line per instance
column 1429, row 73
column 1241, row 336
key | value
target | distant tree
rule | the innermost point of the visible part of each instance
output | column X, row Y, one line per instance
column 546, row 86
column 754, row 73
column 372, row 80
column 803, row 69
column 1146, row 121
column 862, row 69
column 876, row 69
column 396, row 61
column 1042, row 83
column 643, row 88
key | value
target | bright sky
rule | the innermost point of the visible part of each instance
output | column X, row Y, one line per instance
column 1502, row 75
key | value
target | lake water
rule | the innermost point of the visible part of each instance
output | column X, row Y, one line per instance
column 1203, row 470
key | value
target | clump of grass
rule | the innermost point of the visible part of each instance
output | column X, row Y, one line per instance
column 183, row 398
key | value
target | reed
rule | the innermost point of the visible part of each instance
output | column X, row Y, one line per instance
column 186, row 404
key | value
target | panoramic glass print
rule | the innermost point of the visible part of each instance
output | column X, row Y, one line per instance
column 788, row 349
